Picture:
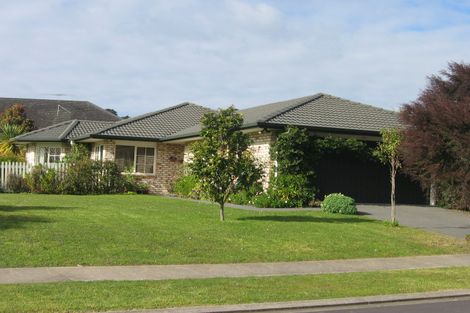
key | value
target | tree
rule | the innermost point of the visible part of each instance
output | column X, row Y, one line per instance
column 7, row 132
column 289, row 151
column 388, row 153
column 221, row 162
column 437, row 136
column 16, row 115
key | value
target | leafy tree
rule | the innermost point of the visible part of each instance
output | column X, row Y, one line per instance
column 16, row 115
column 437, row 135
column 289, row 151
column 387, row 152
column 7, row 132
column 221, row 162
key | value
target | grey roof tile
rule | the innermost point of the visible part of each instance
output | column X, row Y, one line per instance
column 63, row 131
column 156, row 125
column 47, row 112
column 320, row 111
column 331, row 112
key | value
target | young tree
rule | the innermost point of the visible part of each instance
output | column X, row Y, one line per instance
column 221, row 161
column 437, row 136
column 15, row 115
column 387, row 152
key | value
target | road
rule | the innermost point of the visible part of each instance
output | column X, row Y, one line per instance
column 458, row 305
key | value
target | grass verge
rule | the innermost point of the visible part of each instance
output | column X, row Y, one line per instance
column 105, row 296
column 60, row 230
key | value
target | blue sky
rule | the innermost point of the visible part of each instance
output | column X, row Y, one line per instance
column 140, row 56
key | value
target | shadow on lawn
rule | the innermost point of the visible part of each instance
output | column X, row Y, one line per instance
column 20, row 221
column 305, row 218
column 12, row 208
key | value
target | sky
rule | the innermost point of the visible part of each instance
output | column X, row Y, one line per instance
column 142, row 56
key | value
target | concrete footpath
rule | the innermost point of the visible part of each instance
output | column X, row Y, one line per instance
column 194, row 271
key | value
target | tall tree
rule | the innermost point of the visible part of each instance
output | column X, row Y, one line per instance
column 221, row 161
column 16, row 115
column 388, row 153
column 437, row 135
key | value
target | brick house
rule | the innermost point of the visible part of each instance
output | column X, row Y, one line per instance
column 155, row 145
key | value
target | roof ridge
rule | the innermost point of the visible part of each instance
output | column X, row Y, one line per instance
column 43, row 129
column 359, row 103
column 142, row 116
column 290, row 107
column 100, row 108
column 68, row 129
column 68, row 100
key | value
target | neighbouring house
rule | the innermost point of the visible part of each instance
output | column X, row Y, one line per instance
column 46, row 112
column 155, row 145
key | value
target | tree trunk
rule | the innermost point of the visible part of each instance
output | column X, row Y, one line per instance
column 222, row 213
column 393, row 173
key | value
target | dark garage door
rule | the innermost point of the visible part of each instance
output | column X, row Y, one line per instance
column 367, row 181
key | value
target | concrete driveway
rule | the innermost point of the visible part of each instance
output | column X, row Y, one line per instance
column 449, row 222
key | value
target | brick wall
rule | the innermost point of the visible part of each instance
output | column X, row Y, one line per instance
column 168, row 164
column 261, row 151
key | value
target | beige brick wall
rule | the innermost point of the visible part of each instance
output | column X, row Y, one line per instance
column 109, row 150
column 261, row 151
column 168, row 163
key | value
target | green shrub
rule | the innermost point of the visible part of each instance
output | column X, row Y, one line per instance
column 339, row 203
column 49, row 181
column 33, row 179
column 286, row 191
column 16, row 184
column 42, row 180
column 246, row 196
column 185, row 186
column 133, row 186
column 11, row 158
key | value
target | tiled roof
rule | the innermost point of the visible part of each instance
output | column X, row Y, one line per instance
column 319, row 111
column 46, row 112
column 155, row 125
column 63, row 131
column 329, row 112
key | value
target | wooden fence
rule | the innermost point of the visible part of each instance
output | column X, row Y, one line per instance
column 20, row 169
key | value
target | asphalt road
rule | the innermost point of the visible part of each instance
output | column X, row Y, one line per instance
column 461, row 305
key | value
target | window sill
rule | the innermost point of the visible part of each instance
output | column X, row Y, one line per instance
column 139, row 174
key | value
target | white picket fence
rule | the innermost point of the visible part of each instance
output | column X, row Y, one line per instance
column 10, row 169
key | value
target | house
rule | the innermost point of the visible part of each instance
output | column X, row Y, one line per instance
column 155, row 145
column 46, row 112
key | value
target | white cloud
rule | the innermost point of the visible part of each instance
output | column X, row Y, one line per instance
column 138, row 56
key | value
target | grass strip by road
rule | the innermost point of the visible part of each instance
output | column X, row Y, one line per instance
column 105, row 296
column 64, row 230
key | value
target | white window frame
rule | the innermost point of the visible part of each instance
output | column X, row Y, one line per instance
column 99, row 152
column 47, row 155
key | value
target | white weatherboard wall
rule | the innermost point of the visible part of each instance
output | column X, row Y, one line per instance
column 35, row 151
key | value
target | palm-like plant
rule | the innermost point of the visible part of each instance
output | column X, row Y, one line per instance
column 7, row 132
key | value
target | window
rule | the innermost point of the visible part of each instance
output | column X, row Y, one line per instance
column 144, row 160
column 141, row 159
column 125, row 157
column 99, row 151
column 52, row 154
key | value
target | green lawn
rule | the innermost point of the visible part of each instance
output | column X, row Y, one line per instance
column 54, row 230
column 105, row 296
